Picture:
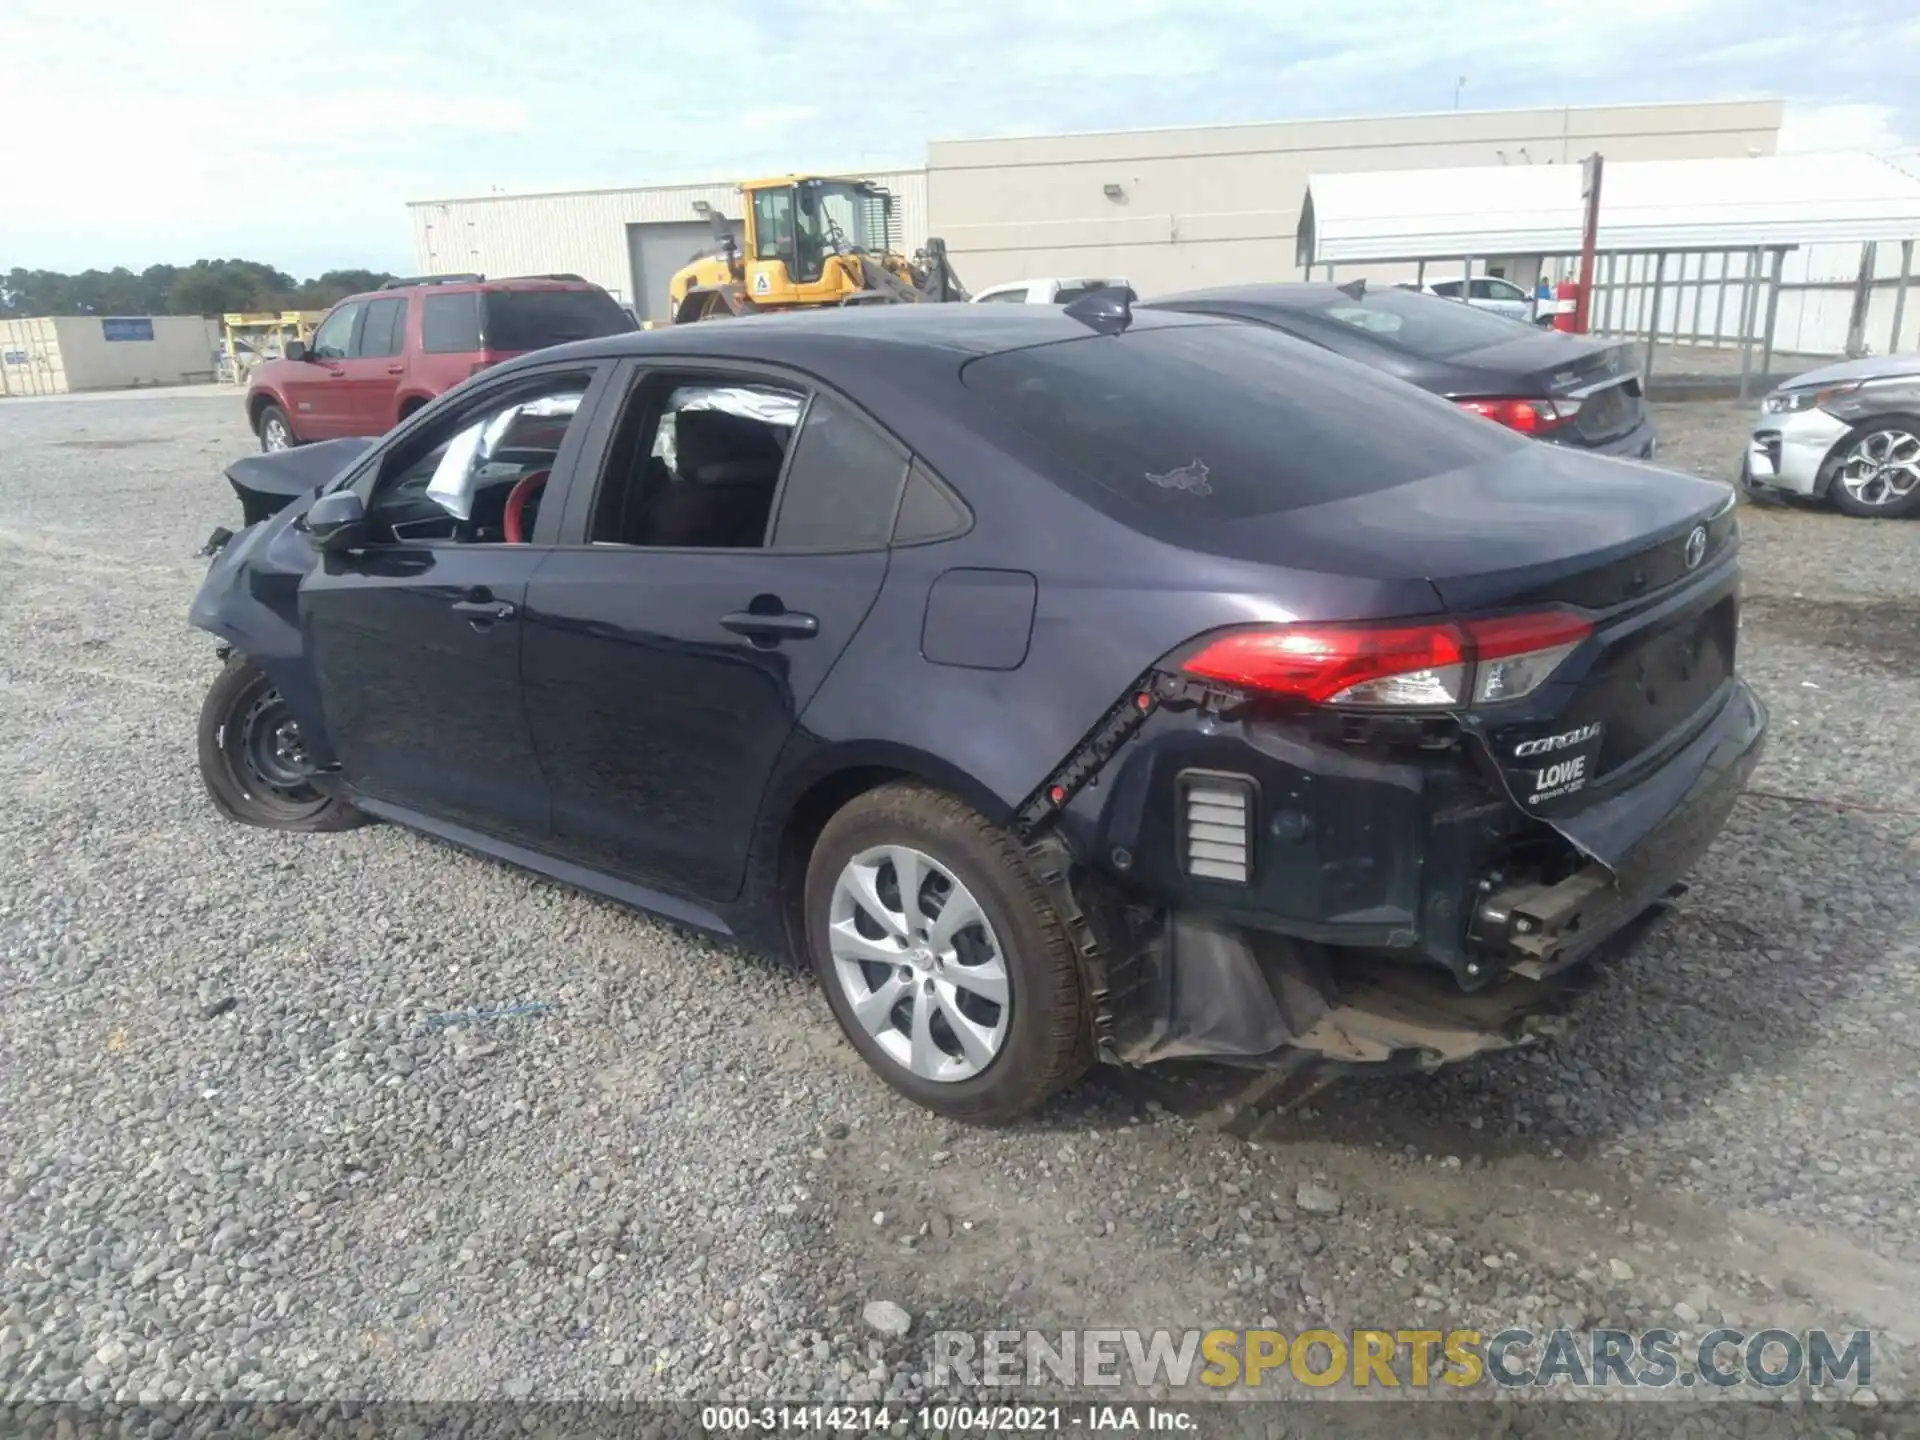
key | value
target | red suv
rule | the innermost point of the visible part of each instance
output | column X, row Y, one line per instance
column 376, row 358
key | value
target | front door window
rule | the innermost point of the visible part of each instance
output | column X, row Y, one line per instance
column 335, row 335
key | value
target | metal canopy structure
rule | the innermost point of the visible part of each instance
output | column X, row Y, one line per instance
column 1657, row 220
column 1765, row 203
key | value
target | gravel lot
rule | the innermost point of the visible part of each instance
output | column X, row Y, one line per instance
column 243, row 1158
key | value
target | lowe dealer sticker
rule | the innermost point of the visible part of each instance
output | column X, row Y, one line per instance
column 1561, row 764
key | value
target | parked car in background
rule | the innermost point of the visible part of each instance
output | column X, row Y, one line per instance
column 1567, row 389
column 1846, row 433
column 1060, row 683
column 1489, row 293
column 378, row 357
column 1047, row 292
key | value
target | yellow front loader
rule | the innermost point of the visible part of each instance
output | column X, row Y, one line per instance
column 810, row 240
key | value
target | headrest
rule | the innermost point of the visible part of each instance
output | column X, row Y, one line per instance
column 714, row 447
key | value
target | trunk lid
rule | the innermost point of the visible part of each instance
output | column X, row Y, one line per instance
column 1604, row 379
column 1644, row 553
column 1538, row 524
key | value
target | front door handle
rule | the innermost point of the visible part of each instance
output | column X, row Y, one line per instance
column 779, row 625
column 485, row 610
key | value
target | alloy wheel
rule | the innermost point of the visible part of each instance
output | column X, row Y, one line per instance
column 1882, row 468
column 919, row 963
column 275, row 435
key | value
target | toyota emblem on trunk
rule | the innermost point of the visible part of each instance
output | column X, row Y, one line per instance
column 1696, row 547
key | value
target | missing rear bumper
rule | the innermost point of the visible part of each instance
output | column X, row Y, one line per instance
column 1214, row 991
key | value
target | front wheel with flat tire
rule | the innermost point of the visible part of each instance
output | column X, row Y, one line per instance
column 942, row 956
column 1878, row 469
column 275, row 430
column 253, row 757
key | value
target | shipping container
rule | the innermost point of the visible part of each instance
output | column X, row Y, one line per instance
column 56, row 354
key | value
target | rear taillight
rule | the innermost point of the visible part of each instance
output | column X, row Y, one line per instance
column 1443, row 665
column 1514, row 654
column 1529, row 417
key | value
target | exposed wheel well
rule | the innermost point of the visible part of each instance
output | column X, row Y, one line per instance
column 807, row 819
column 411, row 404
column 256, row 405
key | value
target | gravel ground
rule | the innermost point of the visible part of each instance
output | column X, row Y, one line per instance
column 247, row 1155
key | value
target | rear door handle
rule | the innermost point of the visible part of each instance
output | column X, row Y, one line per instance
column 781, row 625
column 396, row 369
column 485, row 610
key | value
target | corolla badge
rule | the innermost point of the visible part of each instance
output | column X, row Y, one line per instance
column 1190, row 478
column 1696, row 547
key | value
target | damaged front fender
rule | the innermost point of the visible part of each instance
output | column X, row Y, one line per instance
column 250, row 597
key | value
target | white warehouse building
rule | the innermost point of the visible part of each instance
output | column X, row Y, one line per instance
column 1168, row 209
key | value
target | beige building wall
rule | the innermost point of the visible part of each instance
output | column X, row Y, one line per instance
column 1221, row 204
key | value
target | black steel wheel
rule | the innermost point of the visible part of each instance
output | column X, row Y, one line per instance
column 254, row 757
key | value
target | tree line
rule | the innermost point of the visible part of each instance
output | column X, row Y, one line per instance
column 206, row 287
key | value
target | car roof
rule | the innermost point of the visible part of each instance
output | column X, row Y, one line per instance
column 1254, row 301
column 482, row 285
column 968, row 331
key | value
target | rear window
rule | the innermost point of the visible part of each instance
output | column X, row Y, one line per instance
column 1222, row 422
column 1416, row 324
column 535, row 319
column 1079, row 289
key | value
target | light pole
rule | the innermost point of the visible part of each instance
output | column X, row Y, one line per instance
column 1456, row 91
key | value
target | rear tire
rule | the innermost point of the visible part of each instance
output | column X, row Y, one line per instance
column 930, row 987
column 274, row 429
column 251, row 753
column 1876, row 469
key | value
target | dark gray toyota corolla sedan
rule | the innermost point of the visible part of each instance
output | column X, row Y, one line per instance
column 1061, row 684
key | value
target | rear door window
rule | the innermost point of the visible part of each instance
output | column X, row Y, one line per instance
column 535, row 319
column 384, row 329
column 1220, row 422
column 450, row 324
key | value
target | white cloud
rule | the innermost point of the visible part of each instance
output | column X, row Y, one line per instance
column 205, row 126
column 1841, row 127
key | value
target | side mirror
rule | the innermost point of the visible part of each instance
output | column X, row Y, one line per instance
column 295, row 350
column 336, row 521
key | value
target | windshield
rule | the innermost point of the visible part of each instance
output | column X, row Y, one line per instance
column 837, row 217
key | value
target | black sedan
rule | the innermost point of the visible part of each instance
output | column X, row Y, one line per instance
column 1569, row 389
column 1060, row 683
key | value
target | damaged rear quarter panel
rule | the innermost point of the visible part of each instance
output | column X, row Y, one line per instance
column 1358, row 845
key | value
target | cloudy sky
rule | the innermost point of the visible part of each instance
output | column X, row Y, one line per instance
column 294, row 132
